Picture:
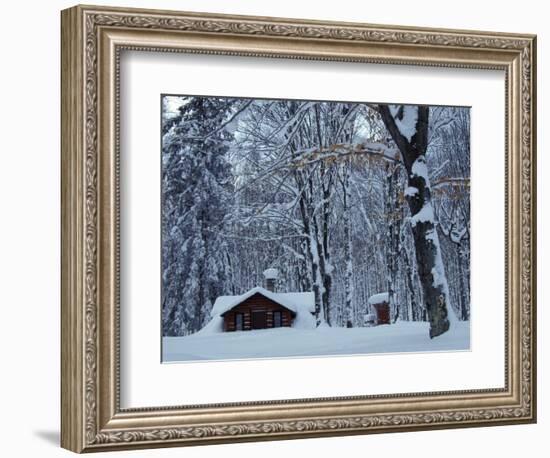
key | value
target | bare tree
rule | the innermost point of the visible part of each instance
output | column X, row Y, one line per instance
column 409, row 127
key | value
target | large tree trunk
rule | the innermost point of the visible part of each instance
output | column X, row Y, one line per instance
column 426, row 241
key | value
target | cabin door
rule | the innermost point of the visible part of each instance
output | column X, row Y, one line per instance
column 383, row 312
column 259, row 320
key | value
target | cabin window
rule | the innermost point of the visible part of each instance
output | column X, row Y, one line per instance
column 277, row 319
column 239, row 321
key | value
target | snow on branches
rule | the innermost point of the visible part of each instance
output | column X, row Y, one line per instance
column 310, row 188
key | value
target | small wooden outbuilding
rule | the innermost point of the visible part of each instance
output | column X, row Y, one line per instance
column 380, row 305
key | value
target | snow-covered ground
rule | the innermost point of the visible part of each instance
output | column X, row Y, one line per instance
column 290, row 342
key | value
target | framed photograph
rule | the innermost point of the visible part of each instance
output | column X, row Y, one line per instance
column 301, row 217
column 278, row 228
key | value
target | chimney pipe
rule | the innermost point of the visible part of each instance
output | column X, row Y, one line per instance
column 270, row 276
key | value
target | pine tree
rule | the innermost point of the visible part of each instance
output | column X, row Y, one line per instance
column 196, row 175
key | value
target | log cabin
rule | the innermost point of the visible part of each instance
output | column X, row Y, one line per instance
column 263, row 308
column 260, row 308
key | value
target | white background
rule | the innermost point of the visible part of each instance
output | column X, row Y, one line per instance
column 29, row 242
column 146, row 75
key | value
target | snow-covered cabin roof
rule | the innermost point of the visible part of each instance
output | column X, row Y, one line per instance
column 296, row 302
column 378, row 298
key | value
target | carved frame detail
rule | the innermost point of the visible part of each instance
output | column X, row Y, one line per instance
column 91, row 416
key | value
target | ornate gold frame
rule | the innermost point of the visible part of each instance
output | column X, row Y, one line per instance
column 92, row 38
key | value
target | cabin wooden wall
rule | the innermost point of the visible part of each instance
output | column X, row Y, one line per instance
column 257, row 302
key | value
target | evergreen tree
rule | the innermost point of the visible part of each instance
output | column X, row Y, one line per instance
column 195, row 178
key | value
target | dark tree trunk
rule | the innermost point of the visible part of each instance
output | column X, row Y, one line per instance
column 426, row 242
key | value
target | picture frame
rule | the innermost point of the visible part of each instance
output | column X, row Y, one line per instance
column 93, row 39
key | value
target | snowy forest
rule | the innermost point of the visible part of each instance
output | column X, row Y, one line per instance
column 344, row 199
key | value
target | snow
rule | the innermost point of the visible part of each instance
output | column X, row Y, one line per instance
column 403, row 336
column 440, row 279
column 173, row 104
column 370, row 318
column 231, row 127
column 378, row 298
column 214, row 326
column 301, row 301
column 384, row 150
column 420, row 169
column 426, row 214
column 456, row 235
column 407, row 124
column 313, row 250
column 271, row 273
column 411, row 191
column 291, row 301
column 304, row 317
